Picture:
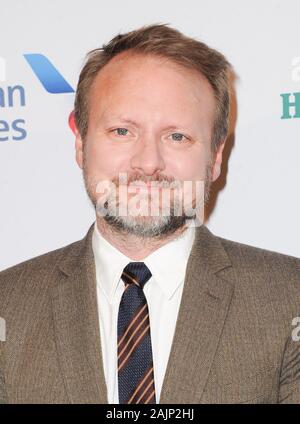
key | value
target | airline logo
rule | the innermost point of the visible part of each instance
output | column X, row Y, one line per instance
column 50, row 78
column 13, row 96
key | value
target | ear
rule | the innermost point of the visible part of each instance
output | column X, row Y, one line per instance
column 78, row 140
column 79, row 152
column 71, row 121
column 216, row 170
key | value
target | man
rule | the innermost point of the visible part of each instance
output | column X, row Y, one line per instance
column 151, row 307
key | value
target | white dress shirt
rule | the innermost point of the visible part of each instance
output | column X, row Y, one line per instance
column 163, row 293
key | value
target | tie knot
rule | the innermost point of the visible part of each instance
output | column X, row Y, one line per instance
column 136, row 273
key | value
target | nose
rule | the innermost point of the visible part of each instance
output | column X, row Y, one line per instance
column 147, row 159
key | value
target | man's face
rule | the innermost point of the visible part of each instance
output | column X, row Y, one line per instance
column 152, row 121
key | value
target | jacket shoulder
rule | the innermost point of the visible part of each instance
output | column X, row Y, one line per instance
column 252, row 256
column 34, row 271
column 258, row 266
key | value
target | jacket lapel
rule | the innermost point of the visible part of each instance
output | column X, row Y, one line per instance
column 205, row 302
column 75, row 315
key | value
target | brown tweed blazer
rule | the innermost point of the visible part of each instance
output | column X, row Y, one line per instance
column 232, row 342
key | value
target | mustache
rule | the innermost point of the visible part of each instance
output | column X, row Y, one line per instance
column 125, row 179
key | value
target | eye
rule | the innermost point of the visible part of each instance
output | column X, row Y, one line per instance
column 178, row 137
column 121, row 131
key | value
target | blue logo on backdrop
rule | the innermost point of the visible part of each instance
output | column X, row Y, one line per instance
column 13, row 97
column 50, row 78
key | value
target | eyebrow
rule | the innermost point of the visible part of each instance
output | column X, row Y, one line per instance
column 120, row 118
column 126, row 120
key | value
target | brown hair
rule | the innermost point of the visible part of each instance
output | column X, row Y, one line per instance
column 165, row 42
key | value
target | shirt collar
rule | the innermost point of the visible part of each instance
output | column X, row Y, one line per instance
column 109, row 262
column 167, row 264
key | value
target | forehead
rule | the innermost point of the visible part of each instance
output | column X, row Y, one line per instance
column 152, row 82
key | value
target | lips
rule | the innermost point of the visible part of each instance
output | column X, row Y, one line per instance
column 154, row 184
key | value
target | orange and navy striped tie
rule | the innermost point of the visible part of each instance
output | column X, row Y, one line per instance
column 135, row 362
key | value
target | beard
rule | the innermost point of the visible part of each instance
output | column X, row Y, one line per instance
column 145, row 225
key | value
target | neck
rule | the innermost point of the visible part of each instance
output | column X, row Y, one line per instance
column 128, row 243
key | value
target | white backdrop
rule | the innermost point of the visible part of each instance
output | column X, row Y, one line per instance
column 43, row 201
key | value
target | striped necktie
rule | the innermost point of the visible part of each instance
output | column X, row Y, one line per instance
column 135, row 362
